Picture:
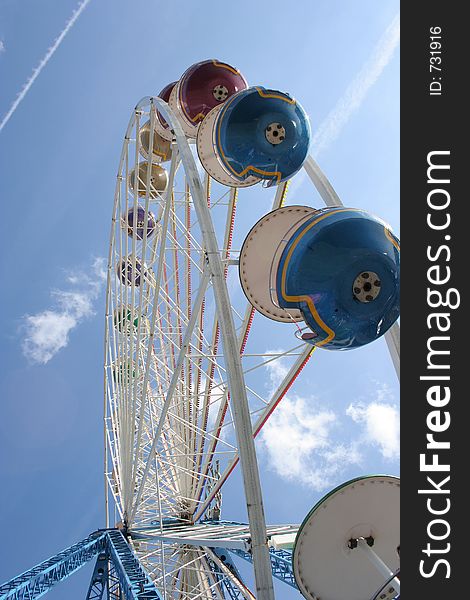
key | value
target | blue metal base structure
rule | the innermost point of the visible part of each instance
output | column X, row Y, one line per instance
column 116, row 568
column 230, row 591
column 281, row 564
column 118, row 575
column 99, row 579
column 105, row 578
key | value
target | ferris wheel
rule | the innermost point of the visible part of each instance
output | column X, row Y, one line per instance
column 198, row 305
column 194, row 312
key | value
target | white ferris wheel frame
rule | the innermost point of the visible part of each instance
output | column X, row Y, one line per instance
column 215, row 272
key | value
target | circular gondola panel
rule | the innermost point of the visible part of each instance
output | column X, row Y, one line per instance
column 207, row 152
column 257, row 259
column 325, row 565
column 145, row 224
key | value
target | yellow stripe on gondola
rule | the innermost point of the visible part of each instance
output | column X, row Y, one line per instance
column 389, row 236
column 225, row 66
column 276, row 174
column 162, row 155
column 278, row 96
column 330, row 333
column 198, row 117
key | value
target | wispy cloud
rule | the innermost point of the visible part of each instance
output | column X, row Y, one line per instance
column 47, row 332
column 2, row 46
column 297, row 182
column 37, row 71
column 277, row 369
column 358, row 89
column 381, row 422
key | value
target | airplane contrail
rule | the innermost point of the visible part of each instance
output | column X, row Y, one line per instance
column 330, row 128
column 357, row 90
column 27, row 86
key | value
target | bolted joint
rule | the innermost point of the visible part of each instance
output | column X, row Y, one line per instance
column 353, row 542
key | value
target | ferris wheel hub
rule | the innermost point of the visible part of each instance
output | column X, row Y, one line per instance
column 366, row 286
column 220, row 93
column 275, row 133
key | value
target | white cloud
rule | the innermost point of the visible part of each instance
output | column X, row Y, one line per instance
column 354, row 95
column 99, row 269
column 381, row 423
column 47, row 332
column 37, row 71
column 277, row 369
column 299, row 444
column 298, row 438
column 304, row 442
column 2, row 46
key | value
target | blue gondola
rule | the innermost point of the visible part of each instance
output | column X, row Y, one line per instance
column 262, row 133
column 341, row 270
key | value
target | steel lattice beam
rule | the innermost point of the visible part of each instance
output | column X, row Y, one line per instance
column 231, row 536
column 99, row 578
column 213, row 534
column 135, row 582
column 116, row 559
column 281, row 564
column 230, row 591
column 120, row 571
column 226, row 573
column 38, row 580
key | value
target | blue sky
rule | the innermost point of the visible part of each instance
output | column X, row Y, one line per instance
column 59, row 153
